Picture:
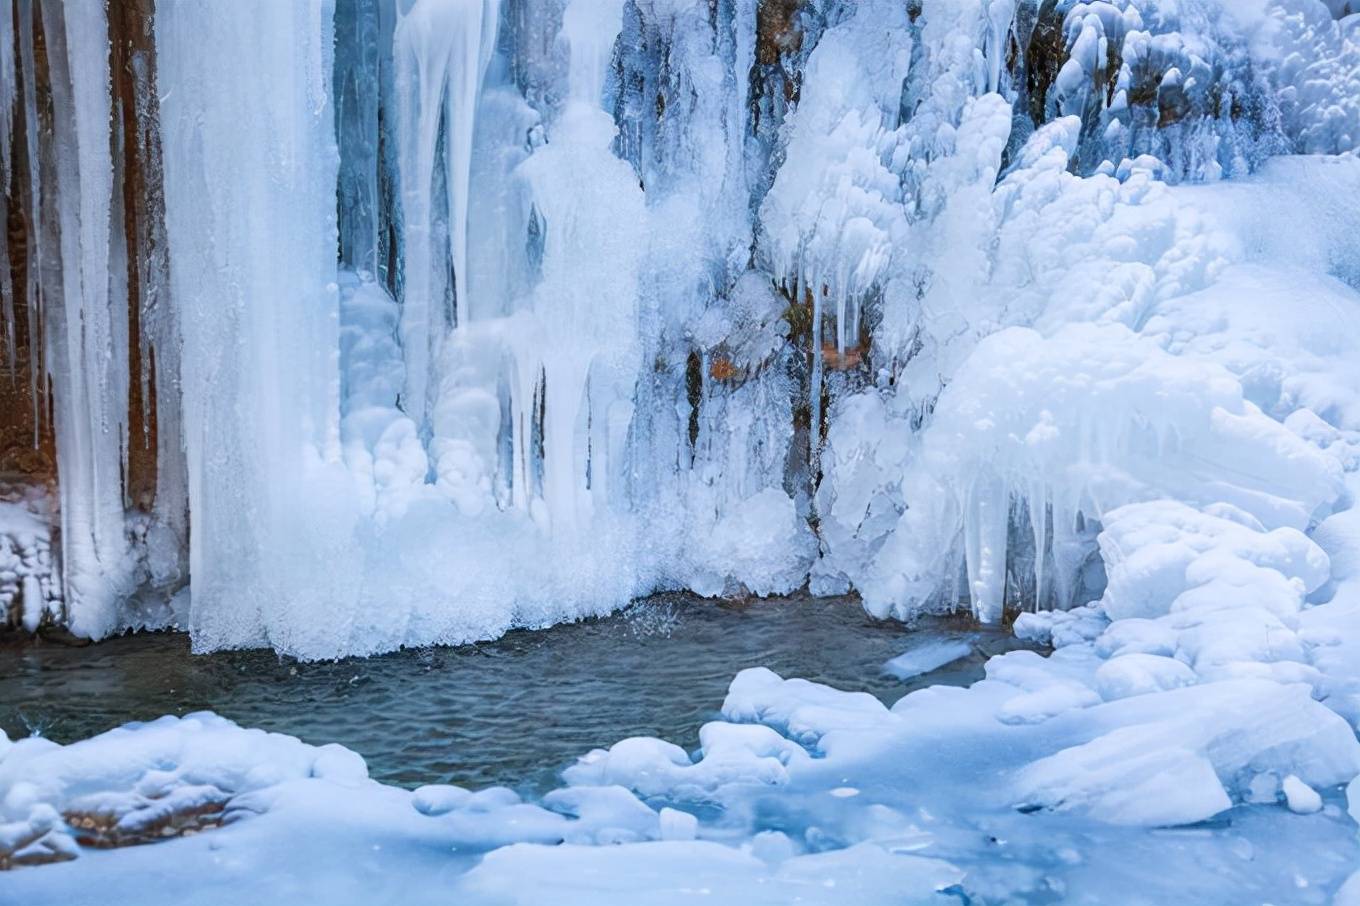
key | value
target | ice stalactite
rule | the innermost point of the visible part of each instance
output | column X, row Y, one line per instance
column 435, row 285
column 8, row 83
column 716, row 436
column 250, row 213
column 32, row 573
column 87, row 340
column 366, row 199
column 33, row 264
column 835, row 212
column 154, row 479
column 441, row 52
column 583, row 337
column 7, row 88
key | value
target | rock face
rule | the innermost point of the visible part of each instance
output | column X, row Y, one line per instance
column 89, row 339
column 27, row 444
column 640, row 293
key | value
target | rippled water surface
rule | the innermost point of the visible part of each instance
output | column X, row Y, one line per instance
column 514, row 711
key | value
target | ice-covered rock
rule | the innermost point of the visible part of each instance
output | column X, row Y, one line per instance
column 1060, row 431
column 729, row 278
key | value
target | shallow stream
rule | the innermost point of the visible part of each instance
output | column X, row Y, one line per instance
column 514, row 711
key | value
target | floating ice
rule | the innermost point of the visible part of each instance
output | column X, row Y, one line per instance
column 928, row 657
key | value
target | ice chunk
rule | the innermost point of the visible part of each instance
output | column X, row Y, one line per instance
column 927, row 657
column 1178, row 757
column 1300, row 797
column 805, row 712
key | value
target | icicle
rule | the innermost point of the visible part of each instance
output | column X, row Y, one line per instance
column 32, row 295
column 739, row 112
column 9, row 78
column 986, row 525
column 1039, row 504
column 155, row 481
column 815, row 387
column 366, row 135
column 441, row 50
column 86, row 348
column 358, row 96
column 6, row 289
column 582, row 335
column 589, row 30
column 999, row 15
column 7, row 84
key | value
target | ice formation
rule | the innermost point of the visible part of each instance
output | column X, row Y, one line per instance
column 388, row 322
column 629, row 295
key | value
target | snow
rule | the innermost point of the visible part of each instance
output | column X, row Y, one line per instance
column 798, row 787
column 667, row 873
column 1166, row 760
column 1136, row 673
column 1300, row 797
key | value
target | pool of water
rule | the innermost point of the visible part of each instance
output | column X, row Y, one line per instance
column 514, row 711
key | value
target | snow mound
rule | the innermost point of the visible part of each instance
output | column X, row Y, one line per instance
column 1185, row 755
column 144, row 781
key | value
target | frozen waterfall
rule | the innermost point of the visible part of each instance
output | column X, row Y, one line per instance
column 343, row 325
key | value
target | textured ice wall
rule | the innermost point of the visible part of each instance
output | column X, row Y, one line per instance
column 634, row 295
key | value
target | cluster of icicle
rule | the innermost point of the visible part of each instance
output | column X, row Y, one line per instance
column 608, row 273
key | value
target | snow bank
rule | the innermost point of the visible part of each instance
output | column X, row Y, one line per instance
column 1181, row 756
column 1206, row 599
column 666, row 873
column 142, row 782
